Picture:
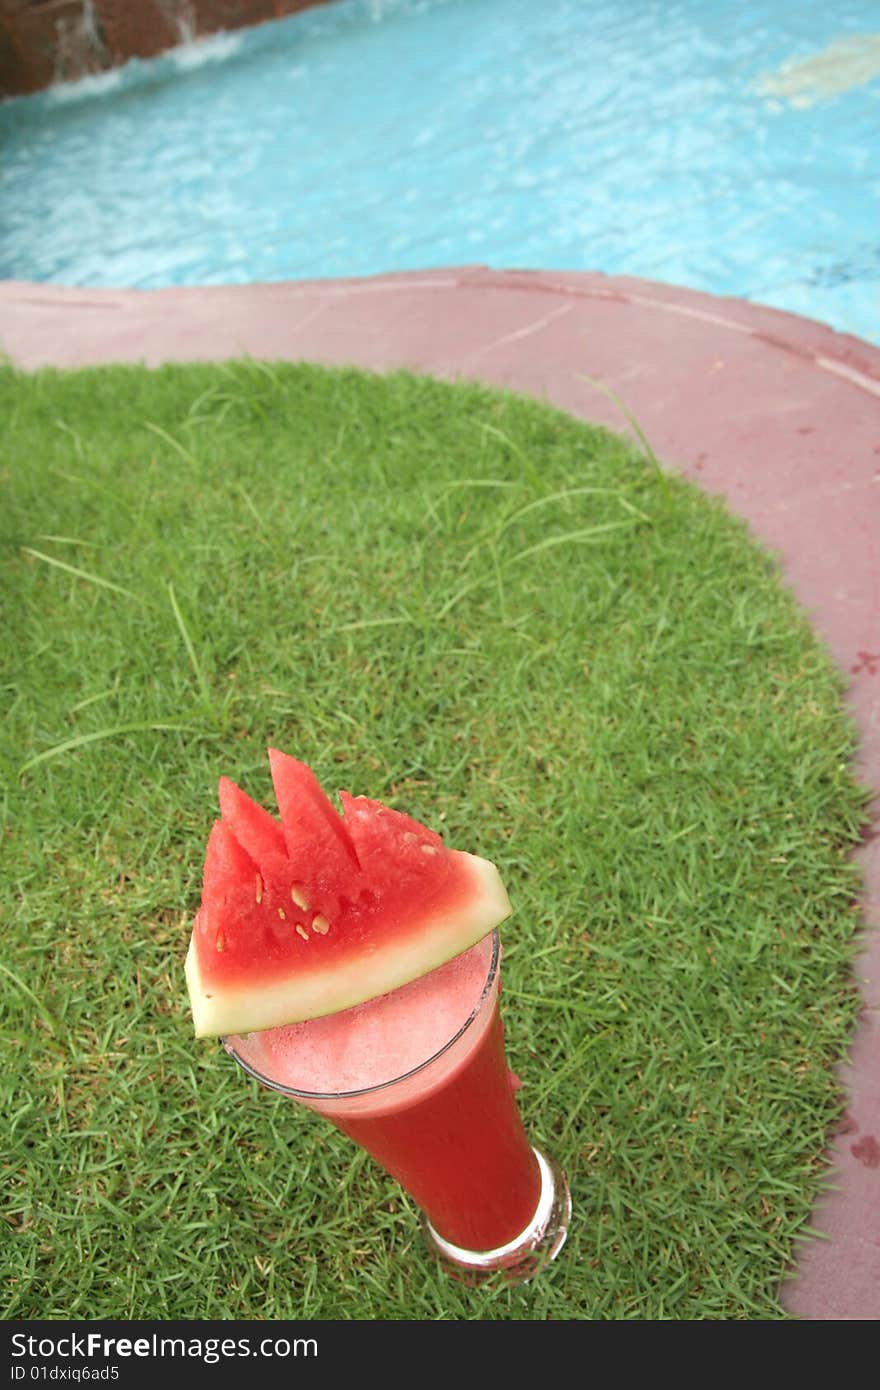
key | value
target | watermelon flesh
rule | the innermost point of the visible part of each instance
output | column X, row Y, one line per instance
column 318, row 911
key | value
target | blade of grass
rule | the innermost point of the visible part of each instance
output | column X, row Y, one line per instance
column 96, row 486
column 627, row 414
column 563, row 495
column 542, row 1093
column 373, row 622
column 528, row 466
column 70, row 540
column 70, row 745
column 248, row 501
column 175, row 443
column 591, row 533
column 82, row 574
column 191, row 651
column 48, row 1018
column 94, row 699
column 477, row 482
column 77, row 442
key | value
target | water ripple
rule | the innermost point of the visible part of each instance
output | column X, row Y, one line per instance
column 672, row 141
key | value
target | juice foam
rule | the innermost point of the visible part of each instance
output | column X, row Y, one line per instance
column 378, row 1041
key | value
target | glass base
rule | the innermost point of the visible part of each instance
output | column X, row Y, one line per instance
column 522, row 1258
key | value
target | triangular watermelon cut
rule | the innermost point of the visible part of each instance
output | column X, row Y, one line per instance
column 315, row 836
column 253, row 827
column 227, row 863
column 324, row 911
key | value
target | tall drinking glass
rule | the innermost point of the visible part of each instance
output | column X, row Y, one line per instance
column 419, row 1079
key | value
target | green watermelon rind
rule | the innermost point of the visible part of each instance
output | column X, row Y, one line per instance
column 425, row 944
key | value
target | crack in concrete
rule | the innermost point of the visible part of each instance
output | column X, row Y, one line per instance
column 517, row 334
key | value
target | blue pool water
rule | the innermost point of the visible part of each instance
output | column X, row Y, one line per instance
column 730, row 147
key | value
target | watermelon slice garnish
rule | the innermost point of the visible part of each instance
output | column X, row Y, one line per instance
column 318, row 911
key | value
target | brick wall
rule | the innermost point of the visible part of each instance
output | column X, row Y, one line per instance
column 45, row 41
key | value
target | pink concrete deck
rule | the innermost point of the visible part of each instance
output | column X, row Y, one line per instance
column 780, row 415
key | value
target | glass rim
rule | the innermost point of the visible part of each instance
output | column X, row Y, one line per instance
column 380, row 1086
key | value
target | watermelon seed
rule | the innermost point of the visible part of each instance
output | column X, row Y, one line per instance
column 302, row 931
column 429, row 849
column 259, row 889
column 282, row 914
column 220, row 943
column 320, row 925
column 299, row 898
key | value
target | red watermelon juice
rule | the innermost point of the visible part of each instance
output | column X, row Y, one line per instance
column 419, row 1079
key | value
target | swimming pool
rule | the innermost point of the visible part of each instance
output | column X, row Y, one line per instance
column 729, row 148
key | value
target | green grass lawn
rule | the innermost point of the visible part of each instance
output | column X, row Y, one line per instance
column 521, row 631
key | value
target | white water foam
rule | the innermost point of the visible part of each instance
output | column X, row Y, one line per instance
column 97, row 84
column 185, row 57
column 197, row 53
